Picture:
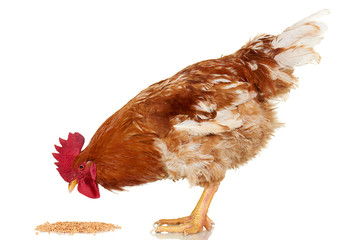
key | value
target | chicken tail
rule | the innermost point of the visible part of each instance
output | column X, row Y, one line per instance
column 297, row 41
column 269, row 60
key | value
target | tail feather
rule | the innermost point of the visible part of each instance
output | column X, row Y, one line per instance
column 299, row 40
column 268, row 61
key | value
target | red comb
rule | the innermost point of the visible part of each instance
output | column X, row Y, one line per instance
column 70, row 149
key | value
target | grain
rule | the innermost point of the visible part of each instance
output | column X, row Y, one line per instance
column 76, row 227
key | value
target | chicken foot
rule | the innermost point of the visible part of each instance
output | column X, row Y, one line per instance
column 197, row 219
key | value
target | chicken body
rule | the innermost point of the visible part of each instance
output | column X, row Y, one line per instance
column 210, row 117
column 195, row 125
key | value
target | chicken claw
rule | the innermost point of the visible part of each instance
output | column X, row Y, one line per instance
column 193, row 223
column 175, row 221
column 186, row 225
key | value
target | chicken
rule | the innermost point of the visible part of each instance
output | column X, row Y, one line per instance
column 211, row 116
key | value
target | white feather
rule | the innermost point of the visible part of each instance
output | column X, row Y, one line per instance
column 297, row 57
column 221, row 80
column 299, row 40
column 306, row 32
column 225, row 120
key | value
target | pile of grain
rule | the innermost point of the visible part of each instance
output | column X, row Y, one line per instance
column 76, row 227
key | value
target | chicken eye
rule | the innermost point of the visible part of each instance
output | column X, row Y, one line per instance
column 81, row 167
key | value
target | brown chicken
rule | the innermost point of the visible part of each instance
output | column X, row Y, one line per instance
column 210, row 117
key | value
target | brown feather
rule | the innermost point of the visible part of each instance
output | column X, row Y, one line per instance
column 209, row 117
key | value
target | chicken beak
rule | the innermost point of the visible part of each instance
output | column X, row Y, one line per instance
column 72, row 185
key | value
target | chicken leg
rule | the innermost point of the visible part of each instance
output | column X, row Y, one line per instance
column 197, row 219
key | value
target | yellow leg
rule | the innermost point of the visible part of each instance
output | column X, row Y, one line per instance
column 197, row 219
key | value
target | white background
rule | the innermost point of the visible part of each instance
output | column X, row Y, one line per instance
column 66, row 66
